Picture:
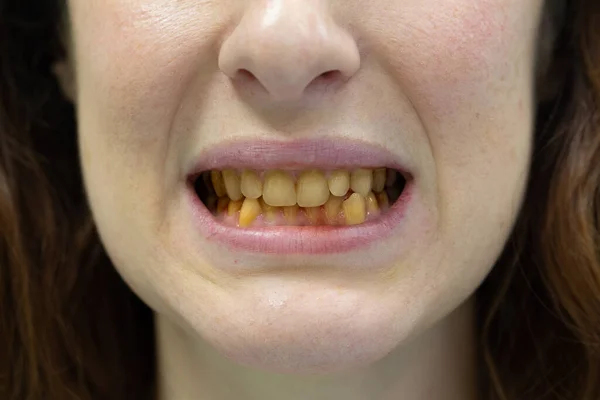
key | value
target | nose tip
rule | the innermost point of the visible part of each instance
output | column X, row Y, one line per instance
column 288, row 46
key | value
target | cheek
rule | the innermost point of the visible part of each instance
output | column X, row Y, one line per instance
column 134, row 61
column 136, row 58
column 466, row 68
column 447, row 54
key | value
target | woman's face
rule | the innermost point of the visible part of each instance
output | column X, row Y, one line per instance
column 440, row 90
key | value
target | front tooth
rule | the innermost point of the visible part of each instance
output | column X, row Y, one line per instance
column 250, row 210
column 332, row 209
column 251, row 184
column 354, row 209
column 312, row 189
column 372, row 206
column 361, row 181
column 379, row 176
column 339, row 182
column 217, row 182
column 279, row 189
column 232, row 184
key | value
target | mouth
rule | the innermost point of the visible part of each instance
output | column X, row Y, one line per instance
column 249, row 198
column 300, row 197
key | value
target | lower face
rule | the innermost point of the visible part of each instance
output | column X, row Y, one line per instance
column 290, row 232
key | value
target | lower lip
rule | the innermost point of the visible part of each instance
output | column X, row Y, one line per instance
column 300, row 239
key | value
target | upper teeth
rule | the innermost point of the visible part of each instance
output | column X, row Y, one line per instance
column 311, row 188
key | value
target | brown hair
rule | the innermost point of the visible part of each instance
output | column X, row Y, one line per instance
column 71, row 329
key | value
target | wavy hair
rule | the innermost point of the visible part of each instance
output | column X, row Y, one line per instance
column 70, row 328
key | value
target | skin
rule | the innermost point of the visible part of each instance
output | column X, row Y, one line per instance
column 445, row 84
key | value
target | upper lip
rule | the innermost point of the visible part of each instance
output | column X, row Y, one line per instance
column 324, row 154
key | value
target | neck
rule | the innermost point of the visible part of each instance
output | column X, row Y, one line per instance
column 438, row 364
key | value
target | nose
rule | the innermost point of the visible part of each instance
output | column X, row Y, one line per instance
column 288, row 46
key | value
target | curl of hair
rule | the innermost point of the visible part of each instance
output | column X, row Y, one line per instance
column 70, row 328
column 539, row 310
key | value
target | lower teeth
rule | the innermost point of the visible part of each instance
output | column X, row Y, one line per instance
column 351, row 209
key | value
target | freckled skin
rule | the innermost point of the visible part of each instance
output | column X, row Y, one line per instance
column 444, row 83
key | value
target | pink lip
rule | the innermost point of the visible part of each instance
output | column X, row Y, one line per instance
column 323, row 154
column 300, row 154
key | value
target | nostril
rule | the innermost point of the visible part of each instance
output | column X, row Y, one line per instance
column 326, row 80
column 245, row 75
column 328, row 76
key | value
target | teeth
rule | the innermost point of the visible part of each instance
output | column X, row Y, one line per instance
column 339, row 182
column 278, row 189
column 251, row 184
column 312, row 189
column 234, row 206
column 217, row 182
column 384, row 201
column 291, row 213
column 345, row 197
column 272, row 213
column 332, row 209
column 249, row 211
column 222, row 204
column 372, row 206
column 232, row 184
column 361, row 181
column 313, row 215
column 354, row 209
column 269, row 212
column 379, row 176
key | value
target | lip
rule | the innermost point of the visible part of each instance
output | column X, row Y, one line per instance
column 298, row 154
column 321, row 154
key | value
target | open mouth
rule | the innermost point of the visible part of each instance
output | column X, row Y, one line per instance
column 250, row 198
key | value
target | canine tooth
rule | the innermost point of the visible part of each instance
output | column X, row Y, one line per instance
column 384, row 201
column 379, row 176
column 361, row 181
column 332, row 209
column 354, row 209
column 232, row 184
column 290, row 213
column 279, row 189
column 217, row 182
column 371, row 202
column 339, row 182
column 311, row 189
column 251, row 184
column 234, row 206
column 249, row 211
column 222, row 204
